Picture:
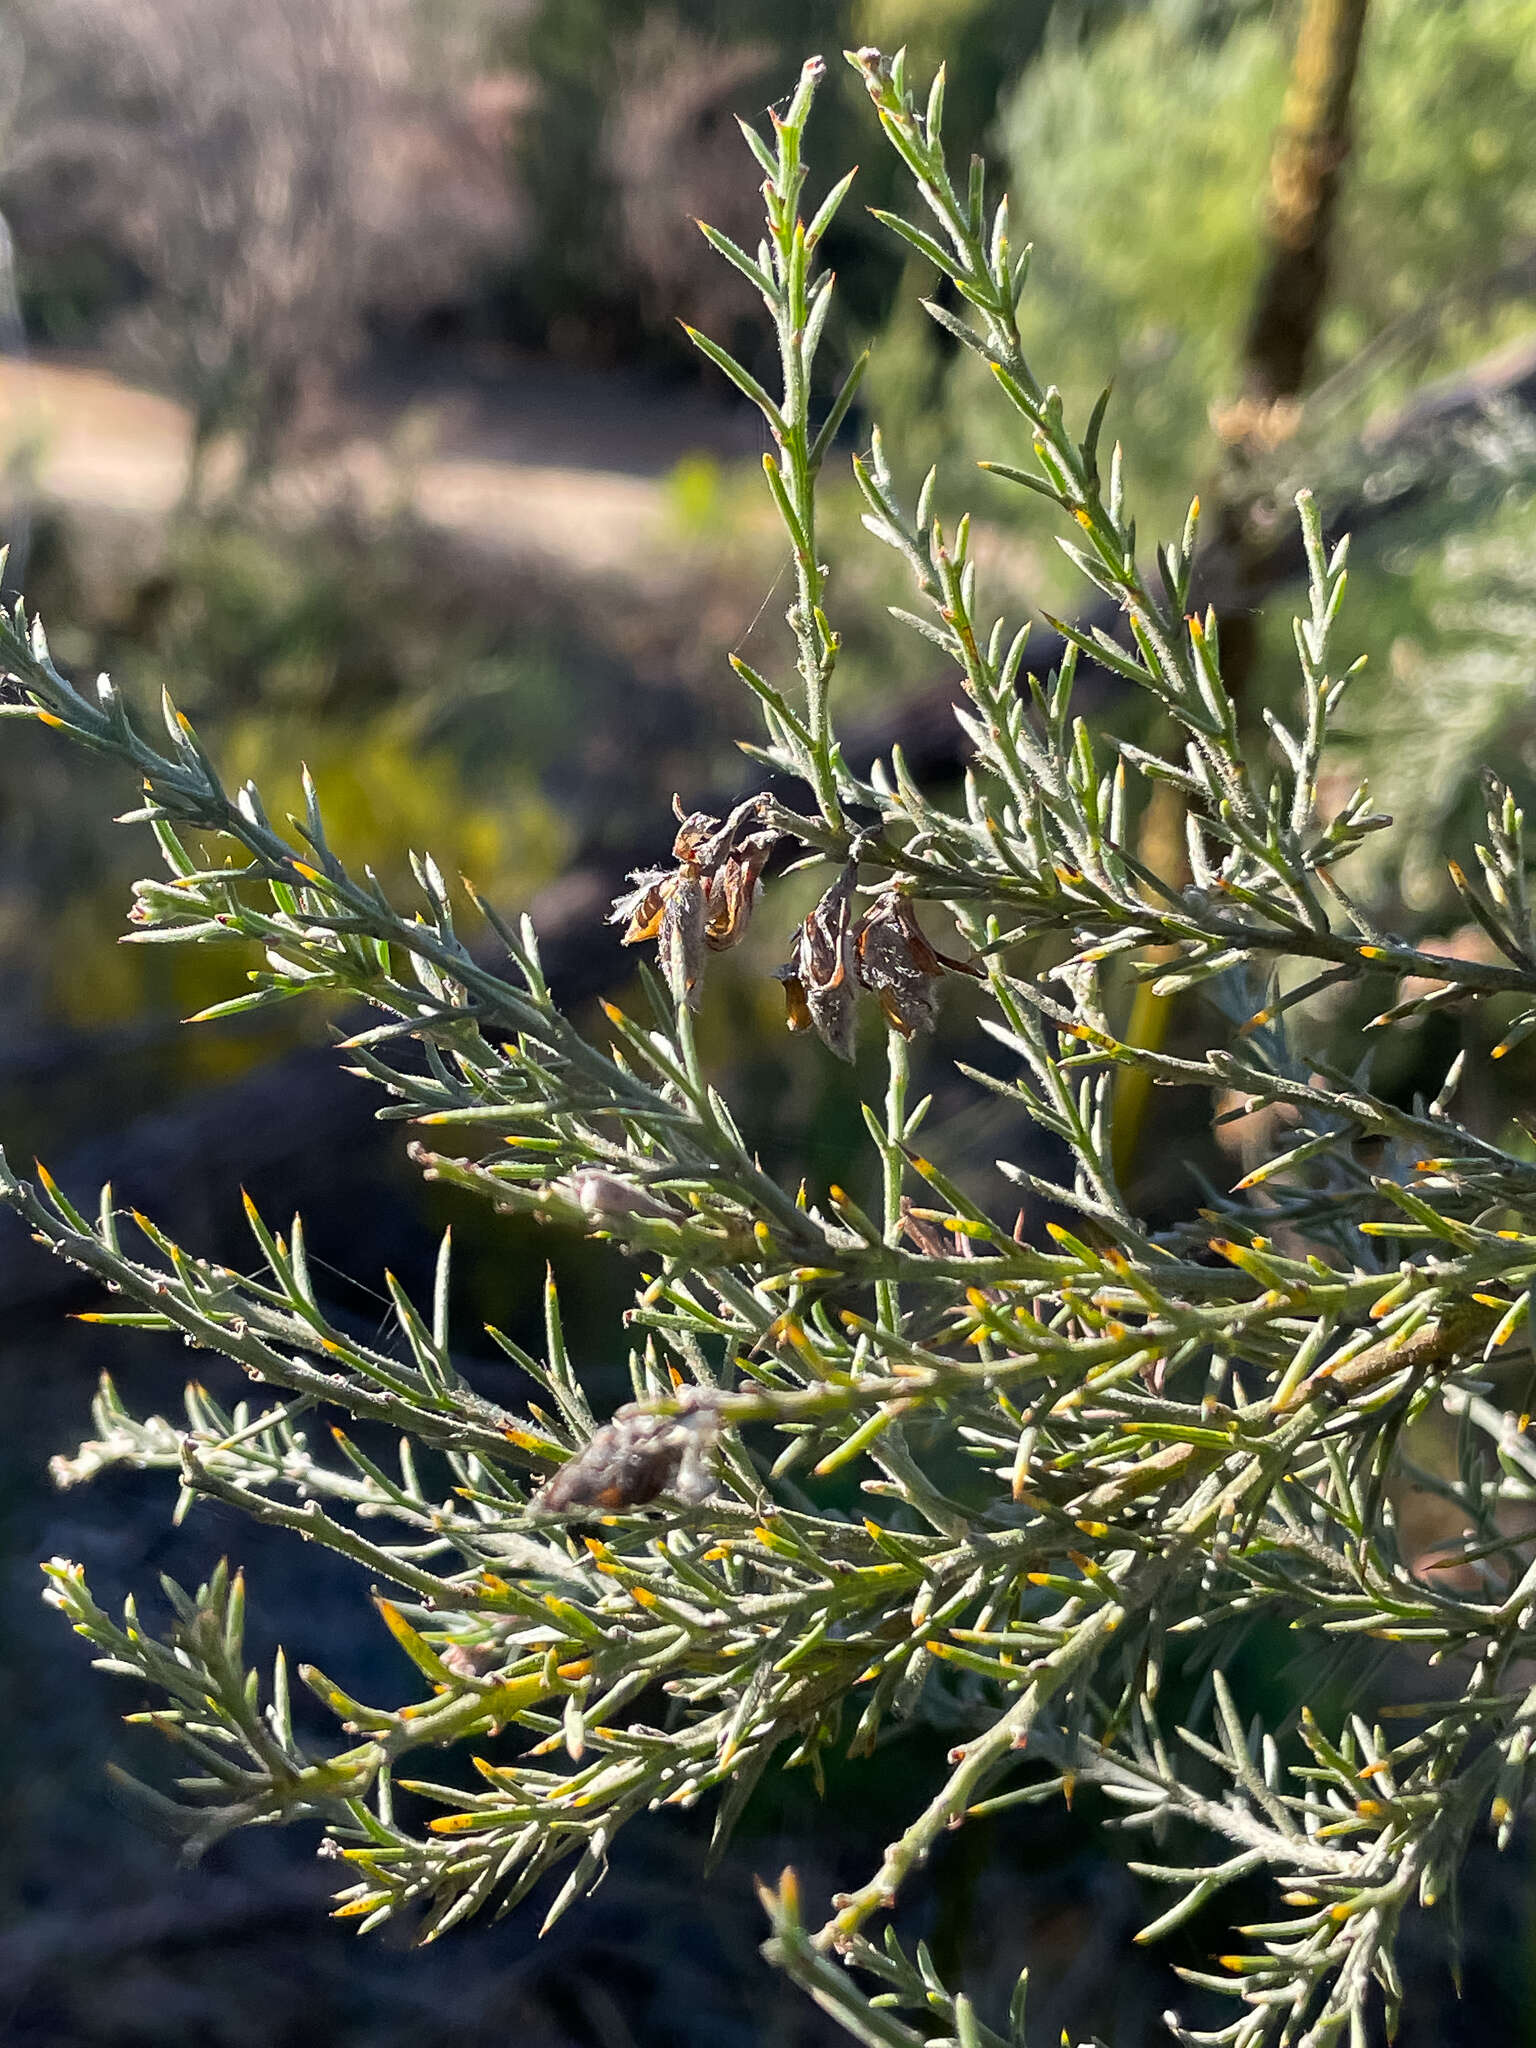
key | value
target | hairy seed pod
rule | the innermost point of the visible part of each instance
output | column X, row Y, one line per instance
column 638, row 1456
column 820, row 983
column 898, row 965
column 680, row 942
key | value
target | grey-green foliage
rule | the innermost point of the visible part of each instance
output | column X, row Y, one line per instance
column 1090, row 1461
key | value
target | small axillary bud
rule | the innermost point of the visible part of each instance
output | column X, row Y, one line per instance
column 473, row 1660
column 602, row 1195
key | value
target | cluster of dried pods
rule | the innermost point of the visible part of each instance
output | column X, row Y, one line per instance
column 706, row 902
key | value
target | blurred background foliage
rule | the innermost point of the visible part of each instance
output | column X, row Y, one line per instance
column 343, row 393
column 1136, row 155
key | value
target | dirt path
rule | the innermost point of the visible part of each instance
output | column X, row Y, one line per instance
column 533, row 458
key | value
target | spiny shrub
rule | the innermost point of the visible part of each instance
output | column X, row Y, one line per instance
column 1097, row 1454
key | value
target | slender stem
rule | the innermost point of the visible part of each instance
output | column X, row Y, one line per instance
column 893, row 1166
column 979, row 1762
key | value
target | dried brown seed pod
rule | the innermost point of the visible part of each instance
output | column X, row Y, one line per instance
column 819, row 977
column 897, row 963
column 638, row 1456
column 733, row 891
